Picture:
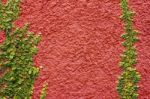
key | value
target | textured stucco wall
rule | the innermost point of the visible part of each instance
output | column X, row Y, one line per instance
column 81, row 45
column 142, row 24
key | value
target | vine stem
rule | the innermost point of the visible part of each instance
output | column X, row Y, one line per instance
column 127, row 82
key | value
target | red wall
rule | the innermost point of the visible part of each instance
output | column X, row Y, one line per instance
column 142, row 24
column 81, row 45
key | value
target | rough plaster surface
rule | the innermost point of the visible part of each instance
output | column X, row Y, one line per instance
column 142, row 24
column 80, row 47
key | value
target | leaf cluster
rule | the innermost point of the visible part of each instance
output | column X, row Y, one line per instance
column 16, row 55
column 9, row 12
column 43, row 92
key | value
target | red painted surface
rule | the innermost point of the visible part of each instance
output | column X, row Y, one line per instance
column 142, row 24
column 81, row 45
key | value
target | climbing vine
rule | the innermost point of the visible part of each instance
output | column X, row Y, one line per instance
column 43, row 91
column 127, row 84
column 17, row 72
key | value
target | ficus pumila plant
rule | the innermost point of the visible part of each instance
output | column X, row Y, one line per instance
column 17, row 72
column 43, row 91
column 127, row 83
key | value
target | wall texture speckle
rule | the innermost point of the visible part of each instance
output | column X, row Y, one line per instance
column 81, row 45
